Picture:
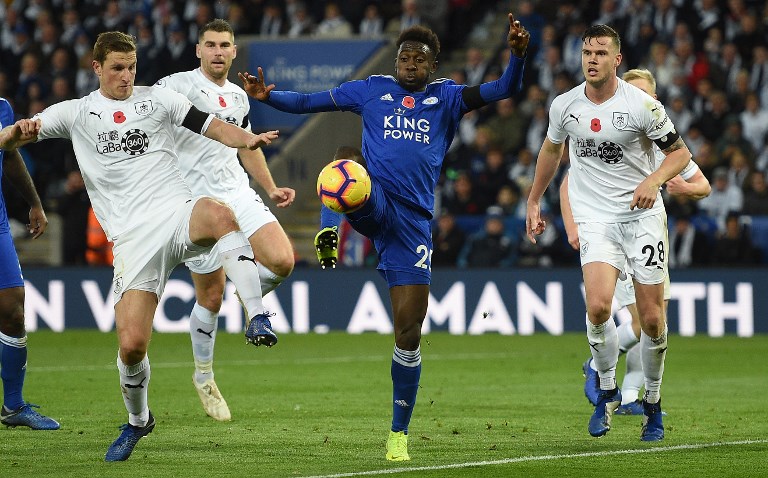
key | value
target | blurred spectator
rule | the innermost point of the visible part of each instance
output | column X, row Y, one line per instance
column 507, row 200
column 726, row 66
column 758, row 74
column 638, row 34
column 688, row 247
column 462, row 199
column 754, row 122
column 272, row 22
column 756, row 195
column 723, row 199
column 237, row 19
column 731, row 140
column 85, row 80
column 409, row 16
column 749, row 36
column 447, row 241
column 549, row 250
column 712, row 122
column 523, row 167
column 733, row 246
column 491, row 247
column 664, row 21
column 61, row 90
column 70, row 26
column 98, row 250
column 534, row 22
column 732, row 21
column 301, row 23
column 537, row 128
column 74, row 205
column 508, row 125
column 679, row 113
column 333, row 24
column 203, row 13
column 372, row 24
column 492, row 177
column 475, row 66
column 177, row 55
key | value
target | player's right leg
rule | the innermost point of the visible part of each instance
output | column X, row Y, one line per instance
column 203, row 324
column 13, row 344
column 134, row 313
column 599, row 283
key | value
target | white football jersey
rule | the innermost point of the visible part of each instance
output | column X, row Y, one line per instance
column 610, row 148
column 209, row 167
column 125, row 150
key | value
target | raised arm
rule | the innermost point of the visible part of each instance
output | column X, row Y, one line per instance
column 288, row 101
column 18, row 175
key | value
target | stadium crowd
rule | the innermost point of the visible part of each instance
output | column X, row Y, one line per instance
column 710, row 59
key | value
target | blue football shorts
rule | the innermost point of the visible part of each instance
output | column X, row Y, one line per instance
column 10, row 270
column 401, row 234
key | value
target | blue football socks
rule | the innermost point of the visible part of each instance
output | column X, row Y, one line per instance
column 406, row 370
column 13, row 368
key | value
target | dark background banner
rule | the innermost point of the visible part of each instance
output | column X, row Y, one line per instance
column 507, row 301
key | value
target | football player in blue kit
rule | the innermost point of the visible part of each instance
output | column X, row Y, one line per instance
column 408, row 124
column 13, row 337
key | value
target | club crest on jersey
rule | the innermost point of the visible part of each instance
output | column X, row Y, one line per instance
column 409, row 102
column 430, row 101
column 620, row 120
column 399, row 111
column 609, row 152
column 143, row 108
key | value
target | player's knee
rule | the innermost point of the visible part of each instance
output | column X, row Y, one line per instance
column 12, row 320
column 598, row 312
column 221, row 216
column 283, row 265
column 408, row 337
column 211, row 298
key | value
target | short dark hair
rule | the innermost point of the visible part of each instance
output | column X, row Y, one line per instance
column 218, row 25
column 600, row 30
column 349, row 152
column 422, row 35
column 108, row 42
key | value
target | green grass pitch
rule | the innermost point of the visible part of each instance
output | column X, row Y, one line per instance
column 319, row 405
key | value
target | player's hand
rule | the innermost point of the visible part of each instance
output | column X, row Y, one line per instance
column 20, row 133
column 518, row 37
column 645, row 195
column 572, row 232
column 677, row 186
column 38, row 222
column 255, row 86
column 534, row 224
column 283, row 197
column 258, row 140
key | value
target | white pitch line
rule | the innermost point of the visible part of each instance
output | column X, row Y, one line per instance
column 302, row 361
column 522, row 459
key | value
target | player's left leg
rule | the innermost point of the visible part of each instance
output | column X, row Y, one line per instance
column 653, row 351
column 274, row 253
column 629, row 336
column 409, row 307
column 13, row 360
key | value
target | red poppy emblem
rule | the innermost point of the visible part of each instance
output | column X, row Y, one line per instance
column 222, row 103
column 118, row 116
column 595, row 125
column 409, row 102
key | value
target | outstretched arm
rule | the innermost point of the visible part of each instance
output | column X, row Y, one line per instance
column 20, row 133
column 511, row 80
column 288, row 101
column 18, row 175
column 255, row 163
column 236, row 137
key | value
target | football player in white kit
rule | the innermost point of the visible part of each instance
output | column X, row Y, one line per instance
column 212, row 169
column 691, row 183
column 615, row 198
column 123, row 140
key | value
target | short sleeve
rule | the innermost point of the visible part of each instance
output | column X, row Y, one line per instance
column 555, row 132
column 57, row 120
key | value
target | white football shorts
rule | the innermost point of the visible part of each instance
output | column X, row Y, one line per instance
column 251, row 214
column 640, row 246
column 625, row 290
column 146, row 255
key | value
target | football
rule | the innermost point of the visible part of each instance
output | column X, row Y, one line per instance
column 343, row 186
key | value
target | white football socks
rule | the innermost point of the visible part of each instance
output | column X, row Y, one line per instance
column 604, row 345
column 240, row 266
column 202, row 330
column 653, row 351
column 134, row 383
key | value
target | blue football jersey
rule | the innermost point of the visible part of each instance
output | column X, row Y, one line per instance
column 405, row 134
column 6, row 119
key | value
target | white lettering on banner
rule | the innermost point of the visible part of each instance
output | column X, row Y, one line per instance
column 742, row 310
column 491, row 314
column 451, row 309
column 300, row 305
column 174, row 289
column 369, row 315
column 686, row 294
column 279, row 321
column 51, row 310
column 282, row 72
column 102, row 308
column 548, row 312
column 334, row 73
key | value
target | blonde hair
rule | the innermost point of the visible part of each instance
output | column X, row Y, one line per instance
column 641, row 74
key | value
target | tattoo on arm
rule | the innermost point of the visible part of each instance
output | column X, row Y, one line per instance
column 678, row 144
